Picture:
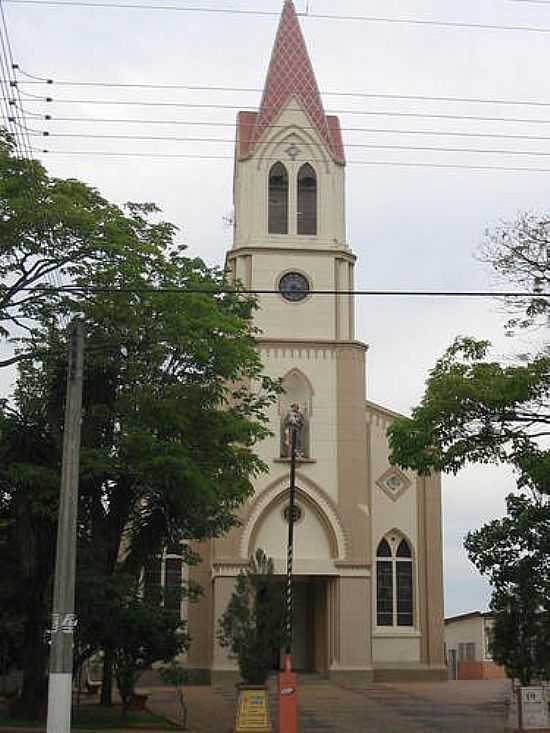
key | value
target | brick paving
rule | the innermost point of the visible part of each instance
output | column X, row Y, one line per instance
column 450, row 707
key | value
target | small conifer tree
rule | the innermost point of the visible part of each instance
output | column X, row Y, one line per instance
column 251, row 627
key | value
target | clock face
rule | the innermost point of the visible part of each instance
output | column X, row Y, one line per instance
column 293, row 287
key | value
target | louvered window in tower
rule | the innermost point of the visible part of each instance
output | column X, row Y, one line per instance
column 307, row 200
column 278, row 200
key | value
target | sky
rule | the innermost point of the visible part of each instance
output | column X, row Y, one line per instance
column 411, row 227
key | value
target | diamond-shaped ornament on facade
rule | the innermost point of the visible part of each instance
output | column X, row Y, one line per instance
column 393, row 483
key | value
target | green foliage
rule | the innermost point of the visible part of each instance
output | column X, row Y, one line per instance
column 143, row 635
column 251, row 627
column 174, row 394
column 61, row 230
column 513, row 553
column 477, row 411
column 175, row 674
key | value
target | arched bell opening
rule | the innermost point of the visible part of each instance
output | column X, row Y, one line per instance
column 307, row 201
column 278, row 200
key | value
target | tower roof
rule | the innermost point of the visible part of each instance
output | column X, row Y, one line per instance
column 290, row 75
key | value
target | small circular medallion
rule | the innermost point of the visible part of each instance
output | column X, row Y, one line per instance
column 394, row 483
column 293, row 287
column 298, row 514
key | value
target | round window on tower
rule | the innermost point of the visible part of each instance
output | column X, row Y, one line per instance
column 294, row 287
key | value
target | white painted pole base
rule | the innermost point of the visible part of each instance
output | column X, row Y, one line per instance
column 60, row 697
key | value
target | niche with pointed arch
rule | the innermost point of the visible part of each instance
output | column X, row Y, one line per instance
column 296, row 410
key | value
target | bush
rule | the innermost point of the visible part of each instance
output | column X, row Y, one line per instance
column 251, row 625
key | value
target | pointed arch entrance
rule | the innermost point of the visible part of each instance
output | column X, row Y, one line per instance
column 319, row 545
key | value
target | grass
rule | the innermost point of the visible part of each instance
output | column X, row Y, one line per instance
column 93, row 717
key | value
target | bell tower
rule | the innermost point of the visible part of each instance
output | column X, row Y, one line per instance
column 290, row 240
column 289, row 199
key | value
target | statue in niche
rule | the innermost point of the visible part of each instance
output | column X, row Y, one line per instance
column 294, row 419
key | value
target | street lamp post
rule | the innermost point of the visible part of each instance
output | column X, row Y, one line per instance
column 288, row 697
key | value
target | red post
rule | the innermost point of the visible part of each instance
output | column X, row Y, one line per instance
column 288, row 699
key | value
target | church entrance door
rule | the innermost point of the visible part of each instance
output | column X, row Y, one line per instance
column 310, row 638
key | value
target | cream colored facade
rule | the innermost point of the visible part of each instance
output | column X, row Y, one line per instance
column 349, row 496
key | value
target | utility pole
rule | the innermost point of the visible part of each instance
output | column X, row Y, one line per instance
column 60, row 681
column 288, row 694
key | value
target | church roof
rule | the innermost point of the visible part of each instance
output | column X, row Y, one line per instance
column 290, row 75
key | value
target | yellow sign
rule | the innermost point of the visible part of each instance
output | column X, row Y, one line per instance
column 253, row 715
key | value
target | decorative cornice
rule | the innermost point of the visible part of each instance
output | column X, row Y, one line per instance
column 312, row 344
column 336, row 252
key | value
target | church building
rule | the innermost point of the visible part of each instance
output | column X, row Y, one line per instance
column 368, row 548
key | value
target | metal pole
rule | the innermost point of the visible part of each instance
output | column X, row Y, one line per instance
column 290, row 550
column 63, row 616
column 288, row 693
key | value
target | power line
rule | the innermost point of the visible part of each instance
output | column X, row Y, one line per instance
column 134, row 120
column 381, row 163
column 369, row 130
column 21, row 137
column 34, row 99
column 35, row 80
column 75, row 289
column 267, row 13
column 367, row 146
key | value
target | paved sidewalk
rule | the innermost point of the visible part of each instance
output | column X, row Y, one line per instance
column 447, row 707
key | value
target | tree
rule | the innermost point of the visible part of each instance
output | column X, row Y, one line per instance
column 142, row 635
column 29, row 489
column 55, row 232
column 518, row 253
column 251, row 626
column 174, row 403
column 514, row 553
column 478, row 411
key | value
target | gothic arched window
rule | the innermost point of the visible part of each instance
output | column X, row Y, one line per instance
column 162, row 578
column 278, row 200
column 394, row 584
column 307, row 200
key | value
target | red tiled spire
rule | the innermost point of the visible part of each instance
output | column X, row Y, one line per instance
column 290, row 75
